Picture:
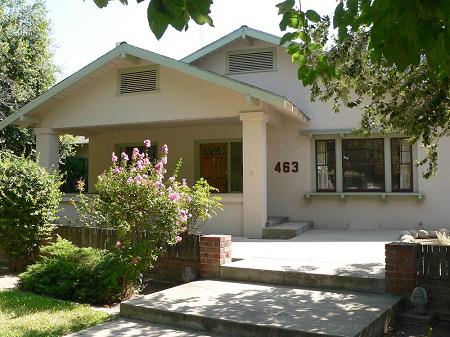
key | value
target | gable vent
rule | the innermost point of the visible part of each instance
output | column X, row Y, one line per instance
column 251, row 61
column 138, row 81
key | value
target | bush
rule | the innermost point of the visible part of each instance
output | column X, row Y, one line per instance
column 29, row 199
column 86, row 275
column 148, row 210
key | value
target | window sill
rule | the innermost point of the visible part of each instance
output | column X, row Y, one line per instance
column 376, row 195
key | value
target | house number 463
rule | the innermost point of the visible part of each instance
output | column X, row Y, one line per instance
column 287, row 167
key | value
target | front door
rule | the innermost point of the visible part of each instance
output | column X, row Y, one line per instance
column 214, row 165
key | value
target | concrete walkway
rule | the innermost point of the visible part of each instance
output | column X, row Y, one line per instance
column 245, row 309
column 134, row 328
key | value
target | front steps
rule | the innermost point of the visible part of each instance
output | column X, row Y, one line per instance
column 244, row 309
column 282, row 228
column 301, row 274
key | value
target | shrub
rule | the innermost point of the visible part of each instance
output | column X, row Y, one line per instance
column 148, row 210
column 86, row 275
column 29, row 199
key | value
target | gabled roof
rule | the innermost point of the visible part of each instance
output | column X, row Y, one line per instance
column 239, row 33
column 124, row 49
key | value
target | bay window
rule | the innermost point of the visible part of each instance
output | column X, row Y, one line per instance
column 352, row 164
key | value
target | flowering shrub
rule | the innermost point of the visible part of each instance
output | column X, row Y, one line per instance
column 148, row 209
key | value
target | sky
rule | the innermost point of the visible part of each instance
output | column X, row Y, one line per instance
column 81, row 32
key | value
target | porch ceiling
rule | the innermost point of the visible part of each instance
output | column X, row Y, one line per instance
column 91, row 131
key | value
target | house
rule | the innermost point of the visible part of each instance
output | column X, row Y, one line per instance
column 236, row 114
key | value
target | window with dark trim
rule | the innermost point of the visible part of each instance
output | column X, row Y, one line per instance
column 363, row 165
column 401, row 161
column 326, row 165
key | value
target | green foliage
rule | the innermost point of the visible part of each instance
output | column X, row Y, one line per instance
column 176, row 13
column 202, row 205
column 86, row 275
column 23, row 314
column 400, row 33
column 147, row 209
column 414, row 102
column 26, row 62
column 29, row 198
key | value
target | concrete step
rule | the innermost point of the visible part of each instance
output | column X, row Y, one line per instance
column 275, row 220
column 286, row 230
column 257, row 310
column 325, row 275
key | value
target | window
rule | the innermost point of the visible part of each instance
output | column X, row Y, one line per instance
column 363, row 165
column 136, row 80
column 325, row 165
column 220, row 163
column 251, row 61
column 74, row 169
column 128, row 149
column 401, row 160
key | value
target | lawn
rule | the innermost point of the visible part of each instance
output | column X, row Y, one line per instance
column 26, row 315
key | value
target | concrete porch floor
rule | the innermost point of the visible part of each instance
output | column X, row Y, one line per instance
column 332, row 252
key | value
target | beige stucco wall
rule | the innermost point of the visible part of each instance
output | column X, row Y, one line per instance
column 286, row 191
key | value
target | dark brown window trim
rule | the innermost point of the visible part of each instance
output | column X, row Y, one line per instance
column 399, row 164
column 316, row 166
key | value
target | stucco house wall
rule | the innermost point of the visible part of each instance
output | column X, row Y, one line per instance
column 286, row 191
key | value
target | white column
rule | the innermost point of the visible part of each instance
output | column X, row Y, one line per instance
column 255, row 172
column 47, row 148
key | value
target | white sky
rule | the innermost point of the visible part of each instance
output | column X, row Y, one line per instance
column 81, row 32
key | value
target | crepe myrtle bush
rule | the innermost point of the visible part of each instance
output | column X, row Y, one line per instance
column 29, row 199
column 148, row 209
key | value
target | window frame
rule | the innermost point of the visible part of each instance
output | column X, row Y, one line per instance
column 400, row 164
column 197, row 144
column 340, row 135
column 316, row 165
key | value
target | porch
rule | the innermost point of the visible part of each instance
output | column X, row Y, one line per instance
column 230, row 153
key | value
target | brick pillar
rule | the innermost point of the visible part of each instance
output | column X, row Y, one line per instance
column 215, row 250
column 401, row 268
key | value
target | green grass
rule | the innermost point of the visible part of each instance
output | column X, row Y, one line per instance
column 26, row 315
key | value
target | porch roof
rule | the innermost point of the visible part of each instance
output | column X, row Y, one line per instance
column 26, row 115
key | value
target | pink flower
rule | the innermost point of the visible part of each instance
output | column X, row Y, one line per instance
column 147, row 143
column 130, row 180
column 188, row 199
column 164, row 160
column 184, row 215
column 135, row 153
column 178, row 239
column 117, row 169
column 174, row 196
column 184, row 182
column 139, row 165
column 165, row 149
column 124, row 156
column 141, row 156
column 114, row 158
column 118, row 244
column 145, row 162
column 158, row 166
column 158, row 183
column 138, row 179
column 172, row 179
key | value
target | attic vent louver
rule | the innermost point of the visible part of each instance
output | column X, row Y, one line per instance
column 138, row 81
column 250, row 61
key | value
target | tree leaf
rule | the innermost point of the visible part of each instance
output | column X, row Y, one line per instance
column 285, row 6
column 312, row 15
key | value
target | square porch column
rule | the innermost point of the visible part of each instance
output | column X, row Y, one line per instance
column 254, row 143
column 47, row 148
